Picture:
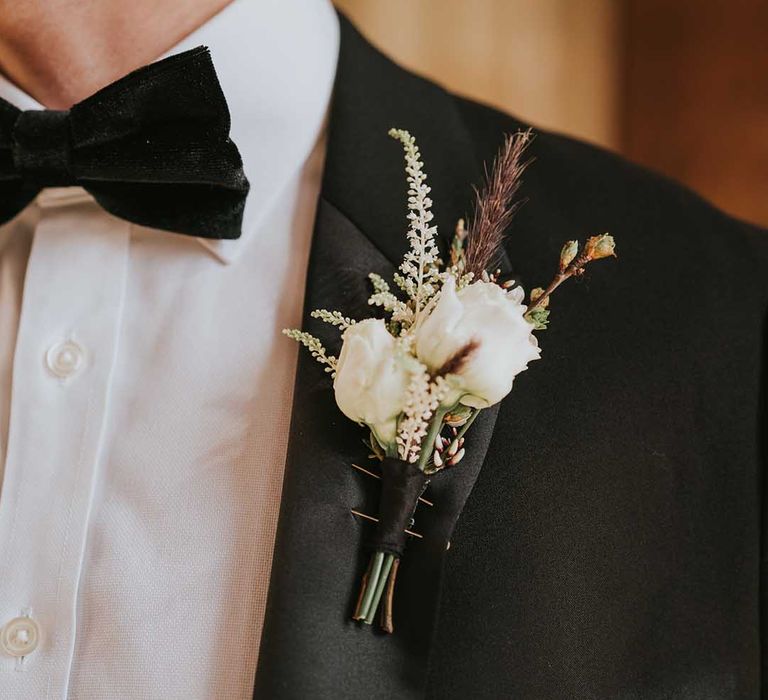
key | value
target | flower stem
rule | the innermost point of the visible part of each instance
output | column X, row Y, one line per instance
column 553, row 285
column 427, row 445
column 574, row 269
column 363, row 587
column 386, row 612
column 381, row 581
column 464, row 428
column 371, row 584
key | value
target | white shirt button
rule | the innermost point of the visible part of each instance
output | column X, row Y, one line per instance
column 20, row 636
column 64, row 359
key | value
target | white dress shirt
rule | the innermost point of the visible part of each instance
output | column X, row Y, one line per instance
column 145, row 396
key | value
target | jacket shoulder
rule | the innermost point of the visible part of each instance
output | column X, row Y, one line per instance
column 577, row 179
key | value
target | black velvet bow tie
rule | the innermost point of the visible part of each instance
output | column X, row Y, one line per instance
column 152, row 148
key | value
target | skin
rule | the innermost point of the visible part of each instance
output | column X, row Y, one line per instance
column 61, row 51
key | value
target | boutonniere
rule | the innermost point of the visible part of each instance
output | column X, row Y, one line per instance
column 446, row 344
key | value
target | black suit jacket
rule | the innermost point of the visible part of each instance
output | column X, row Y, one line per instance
column 610, row 547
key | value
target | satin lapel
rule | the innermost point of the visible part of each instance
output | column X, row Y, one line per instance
column 310, row 647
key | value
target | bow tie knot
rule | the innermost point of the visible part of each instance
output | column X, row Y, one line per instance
column 41, row 147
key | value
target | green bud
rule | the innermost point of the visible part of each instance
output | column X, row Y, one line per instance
column 600, row 247
column 568, row 253
column 458, row 416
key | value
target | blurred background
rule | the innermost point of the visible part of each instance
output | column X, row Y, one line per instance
column 678, row 85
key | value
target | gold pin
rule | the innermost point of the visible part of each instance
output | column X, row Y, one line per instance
column 375, row 520
column 376, row 476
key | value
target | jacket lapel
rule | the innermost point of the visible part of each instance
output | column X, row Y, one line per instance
column 310, row 646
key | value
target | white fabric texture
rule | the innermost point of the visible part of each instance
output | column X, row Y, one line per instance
column 145, row 397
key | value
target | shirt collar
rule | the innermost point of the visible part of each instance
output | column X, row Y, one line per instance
column 276, row 62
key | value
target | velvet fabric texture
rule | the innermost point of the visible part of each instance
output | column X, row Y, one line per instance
column 152, row 148
column 612, row 543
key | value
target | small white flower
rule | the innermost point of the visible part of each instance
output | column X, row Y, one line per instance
column 372, row 377
column 492, row 320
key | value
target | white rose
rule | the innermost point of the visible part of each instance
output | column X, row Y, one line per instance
column 490, row 318
column 372, row 378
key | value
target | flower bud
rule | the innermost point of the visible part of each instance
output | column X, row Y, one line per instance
column 458, row 416
column 601, row 246
column 568, row 253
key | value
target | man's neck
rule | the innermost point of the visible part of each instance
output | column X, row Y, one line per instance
column 61, row 51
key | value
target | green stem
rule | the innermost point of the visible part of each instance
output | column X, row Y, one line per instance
column 464, row 428
column 370, row 587
column 380, row 584
column 553, row 285
column 428, row 445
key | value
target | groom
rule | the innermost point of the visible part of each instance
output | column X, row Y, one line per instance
column 175, row 511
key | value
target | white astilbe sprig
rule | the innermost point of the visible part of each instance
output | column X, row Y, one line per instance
column 423, row 398
column 378, row 283
column 315, row 347
column 383, row 297
column 462, row 280
column 335, row 318
column 420, row 268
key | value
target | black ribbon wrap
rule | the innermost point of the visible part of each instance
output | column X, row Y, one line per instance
column 402, row 483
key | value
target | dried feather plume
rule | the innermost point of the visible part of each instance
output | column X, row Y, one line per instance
column 494, row 207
